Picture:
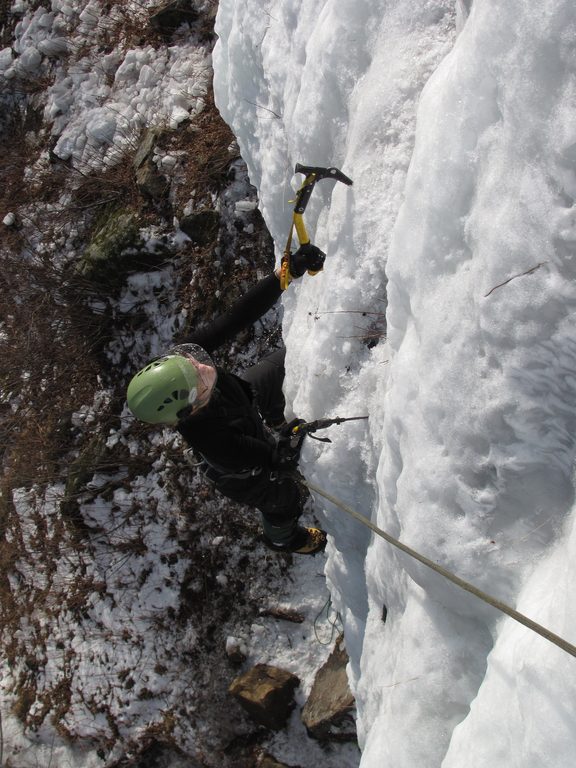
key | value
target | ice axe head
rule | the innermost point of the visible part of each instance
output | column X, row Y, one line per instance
column 322, row 173
column 314, row 174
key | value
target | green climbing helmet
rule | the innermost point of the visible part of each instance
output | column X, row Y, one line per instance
column 162, row 389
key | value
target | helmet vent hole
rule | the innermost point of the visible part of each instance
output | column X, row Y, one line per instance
column 167, row 400
column 182, row 395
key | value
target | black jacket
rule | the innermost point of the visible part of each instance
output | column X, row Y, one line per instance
column 229, row 431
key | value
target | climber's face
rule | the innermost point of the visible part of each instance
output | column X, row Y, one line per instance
column 206, row 380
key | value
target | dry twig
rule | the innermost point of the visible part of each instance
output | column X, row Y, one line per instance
column 528, row 272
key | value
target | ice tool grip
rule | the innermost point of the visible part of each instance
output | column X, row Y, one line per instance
column 312, row 175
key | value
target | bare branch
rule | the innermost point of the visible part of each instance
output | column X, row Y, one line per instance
column 259, row 106
column 528, row 272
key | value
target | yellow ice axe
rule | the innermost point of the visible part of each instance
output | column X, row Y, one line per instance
column 312, row 174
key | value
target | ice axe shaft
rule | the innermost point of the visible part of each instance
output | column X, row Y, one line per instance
column 307, row 427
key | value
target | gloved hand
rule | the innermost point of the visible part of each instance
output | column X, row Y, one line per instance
column 307, row 257
column 289, row 446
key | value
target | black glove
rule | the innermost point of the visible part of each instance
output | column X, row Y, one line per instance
column 307, row 257
column 289, row 446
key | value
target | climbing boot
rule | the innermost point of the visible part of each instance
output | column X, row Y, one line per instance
column 308, row 541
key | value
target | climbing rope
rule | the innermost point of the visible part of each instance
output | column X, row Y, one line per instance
column 336, row 623
column 465, row 585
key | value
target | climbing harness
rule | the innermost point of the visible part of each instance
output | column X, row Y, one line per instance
column 312, row 175
column 465, row 585
column 215, row 474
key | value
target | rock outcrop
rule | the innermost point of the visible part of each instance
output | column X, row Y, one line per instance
column 329, row 711
column 267, row 694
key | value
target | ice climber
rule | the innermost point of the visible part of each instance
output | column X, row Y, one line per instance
column 236, row 423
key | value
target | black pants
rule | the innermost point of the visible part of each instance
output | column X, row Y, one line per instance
column 279, row 497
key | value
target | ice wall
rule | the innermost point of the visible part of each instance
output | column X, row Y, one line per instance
column 460, row 226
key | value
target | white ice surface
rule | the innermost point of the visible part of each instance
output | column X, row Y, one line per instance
column 458, row 131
